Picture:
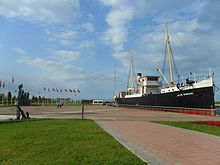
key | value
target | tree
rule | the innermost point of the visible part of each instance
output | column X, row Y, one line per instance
column 34, row 99
column 40, row 100
column 9, row 97
column 13, row 99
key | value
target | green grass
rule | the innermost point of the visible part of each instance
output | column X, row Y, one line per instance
column 217, row 103
column 214, row 130
column 2, row 106
column 60, row 142
column 55, row 104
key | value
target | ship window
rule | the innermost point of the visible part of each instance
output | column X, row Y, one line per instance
column 172, row 89
column 152, row 78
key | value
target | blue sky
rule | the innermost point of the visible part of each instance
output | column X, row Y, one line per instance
column 73, row 44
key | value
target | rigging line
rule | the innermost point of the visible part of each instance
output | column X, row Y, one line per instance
column 174, row 63
column 216, row 88
column 134, row 79
column 164, row 60
column 131, row 76
column 128, row 82
column 115, row 80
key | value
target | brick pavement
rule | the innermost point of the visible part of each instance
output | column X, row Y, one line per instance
column 165, row 145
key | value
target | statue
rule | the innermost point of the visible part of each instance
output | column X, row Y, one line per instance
column 22, row 99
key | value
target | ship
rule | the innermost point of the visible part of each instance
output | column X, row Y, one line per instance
column 150, row 91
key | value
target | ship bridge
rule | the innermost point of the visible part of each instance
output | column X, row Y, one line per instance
column 148, row 84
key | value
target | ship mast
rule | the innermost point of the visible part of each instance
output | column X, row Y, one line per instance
column 169, row 54
column 131, row 75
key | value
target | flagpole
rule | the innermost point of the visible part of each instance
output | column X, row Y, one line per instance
column 12, row 88
column 7, row 99
column 38, row 98
column 3, row 94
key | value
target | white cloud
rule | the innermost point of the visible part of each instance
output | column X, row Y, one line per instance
column 189, row 45
column 117, row 33
column 55, row 11
column 64, row 37
column 118, row 18
column 88, row 27
column 91, row 16
column 67, row 55
column 86, row 44
column 110, row 2
column 56, row 70
column 122, row 13
column 64, row 75
column 123, row 57
column 19, row 50
column 67, row 35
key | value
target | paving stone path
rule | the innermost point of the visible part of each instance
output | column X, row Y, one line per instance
column 165, row 145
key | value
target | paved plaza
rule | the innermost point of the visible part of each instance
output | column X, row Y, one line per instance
column 155, row 143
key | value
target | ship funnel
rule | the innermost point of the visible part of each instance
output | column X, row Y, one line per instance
column 138, row 77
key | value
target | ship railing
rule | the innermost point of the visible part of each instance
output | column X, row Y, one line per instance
column 182, row 81
column 198, row 111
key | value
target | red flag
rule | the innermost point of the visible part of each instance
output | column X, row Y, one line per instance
column 13, row 79
column 78, row 91
column 70, row 90
column 74, row 90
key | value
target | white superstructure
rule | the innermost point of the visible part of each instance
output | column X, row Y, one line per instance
column 148, row 84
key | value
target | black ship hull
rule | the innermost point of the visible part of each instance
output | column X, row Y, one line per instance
column 192, row 98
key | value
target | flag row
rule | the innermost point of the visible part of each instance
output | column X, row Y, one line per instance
column 3, row 83
column 61, row 90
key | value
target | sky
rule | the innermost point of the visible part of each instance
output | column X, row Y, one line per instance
column 76, row 44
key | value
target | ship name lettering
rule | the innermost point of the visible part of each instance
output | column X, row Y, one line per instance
column 184, row 94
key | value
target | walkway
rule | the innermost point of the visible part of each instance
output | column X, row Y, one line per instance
column 161, row 144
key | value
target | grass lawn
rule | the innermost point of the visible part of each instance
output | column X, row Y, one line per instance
column 2, row 106
column 214, row 130
column 55, row 104
column 46, row 104
column 64, row 141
